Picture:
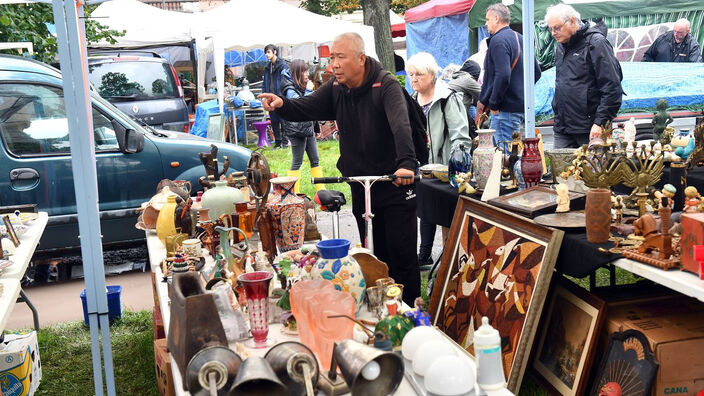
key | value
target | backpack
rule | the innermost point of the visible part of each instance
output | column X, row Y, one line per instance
column 470, row 123
column 416, row 117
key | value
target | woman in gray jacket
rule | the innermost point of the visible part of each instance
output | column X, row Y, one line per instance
column 447, row 125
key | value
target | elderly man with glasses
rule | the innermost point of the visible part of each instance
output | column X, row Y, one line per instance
column 677, row 45
column 588, row 78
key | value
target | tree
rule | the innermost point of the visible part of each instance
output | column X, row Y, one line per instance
column 29, row 22
column 376, row 14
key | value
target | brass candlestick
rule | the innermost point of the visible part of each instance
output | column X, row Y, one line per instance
column 642, row 170
column 642, row 197
column 599, row 166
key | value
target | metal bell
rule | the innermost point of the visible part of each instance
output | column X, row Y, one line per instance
column 256, row 378
column 368, row 371
column 296, row 367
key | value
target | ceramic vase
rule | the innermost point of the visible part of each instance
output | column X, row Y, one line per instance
column 597, row 212
column 288, row 213
column 531, row 163
column 336, row 265
column 220, row 200
column 166, row 222
column 482, row 157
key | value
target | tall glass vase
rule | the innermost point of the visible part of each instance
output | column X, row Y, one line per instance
column 256, row 289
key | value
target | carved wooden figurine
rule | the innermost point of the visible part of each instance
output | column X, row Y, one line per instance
column 563, row 198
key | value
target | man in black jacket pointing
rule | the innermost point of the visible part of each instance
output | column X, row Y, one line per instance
column 375, row 140
column 588, row 78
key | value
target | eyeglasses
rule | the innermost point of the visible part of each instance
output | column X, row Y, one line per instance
column 556, row 29
column 415, row 75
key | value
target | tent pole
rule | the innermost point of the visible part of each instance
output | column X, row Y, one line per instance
column 70, row 31
column 529, row 67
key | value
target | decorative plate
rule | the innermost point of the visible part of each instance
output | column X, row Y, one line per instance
column 562, row 220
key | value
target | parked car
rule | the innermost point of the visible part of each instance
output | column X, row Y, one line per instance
column 35, row 158
column 141, row 84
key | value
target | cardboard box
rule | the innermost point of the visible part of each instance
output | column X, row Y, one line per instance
column 678, row 343
column 158, row 324
column 162, row 365
column 655, row 307
column 692, row 234
column 20, row 366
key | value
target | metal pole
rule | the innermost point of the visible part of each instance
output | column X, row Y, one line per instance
column 368, row 216
column 74, row 67
column 529, row 67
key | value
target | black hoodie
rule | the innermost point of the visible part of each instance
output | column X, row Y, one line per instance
column 373, row 140
column 588, row 81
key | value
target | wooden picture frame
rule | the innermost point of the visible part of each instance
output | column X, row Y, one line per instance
column 11, row 230
column 628, row 366
column 216, row 127
column 565, row 349
column 536, row 200
column 499, row 265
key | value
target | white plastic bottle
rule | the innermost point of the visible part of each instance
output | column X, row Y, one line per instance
column 487, row 346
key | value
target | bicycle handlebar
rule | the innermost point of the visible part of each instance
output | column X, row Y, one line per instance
column 343, row 179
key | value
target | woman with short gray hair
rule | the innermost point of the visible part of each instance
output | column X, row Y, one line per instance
column 447, row 125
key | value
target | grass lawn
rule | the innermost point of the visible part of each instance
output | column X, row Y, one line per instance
column 328, row 151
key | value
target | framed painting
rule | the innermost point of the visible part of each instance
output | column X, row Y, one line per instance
column 566, row 345
column 11, row 230
column 628, row 366
column 216, row 127
column 499, row 265
column 536, row 200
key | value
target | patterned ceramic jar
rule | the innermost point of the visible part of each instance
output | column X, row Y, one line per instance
column 482, row 157
column 336, row 265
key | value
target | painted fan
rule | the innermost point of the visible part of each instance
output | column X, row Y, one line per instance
column 628, row 368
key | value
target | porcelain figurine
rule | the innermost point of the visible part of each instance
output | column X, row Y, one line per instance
column 630, row 130
column 668, row 192
column 617, row 205
column 692, row 199
column 660, row 119
column 563, row 198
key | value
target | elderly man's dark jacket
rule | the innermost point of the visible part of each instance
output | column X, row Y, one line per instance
column 588, row 81
column 664, row 49
column 374, row 140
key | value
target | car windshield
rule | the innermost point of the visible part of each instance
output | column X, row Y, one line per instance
column 133, row 80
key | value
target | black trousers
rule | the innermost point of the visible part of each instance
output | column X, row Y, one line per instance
column 279, row 137
column 427, row 237
column 395, row 232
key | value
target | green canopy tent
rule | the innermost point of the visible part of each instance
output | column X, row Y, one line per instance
column 615, row 13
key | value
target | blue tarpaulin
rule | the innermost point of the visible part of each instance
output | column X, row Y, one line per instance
column 681, row 84
column 446, row 38
column 203, row 111
column 239, row 58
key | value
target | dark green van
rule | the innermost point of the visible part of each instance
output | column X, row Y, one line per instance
column 35, row 164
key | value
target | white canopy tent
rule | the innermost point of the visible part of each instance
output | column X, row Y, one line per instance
column 236, row 25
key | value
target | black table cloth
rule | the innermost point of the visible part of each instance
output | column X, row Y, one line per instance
column 436, row 202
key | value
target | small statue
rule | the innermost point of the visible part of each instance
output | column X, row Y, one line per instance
column 660, row 119
column 516, row 146
column 692, row 199
column 541, row 150
column 684, row 152
column 617, row 205
column 563, row 198
column 630, row 130
column 667, row 195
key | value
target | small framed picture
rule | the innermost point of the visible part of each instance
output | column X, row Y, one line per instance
column 11, row 230
column 536, row 200
column 567, row 344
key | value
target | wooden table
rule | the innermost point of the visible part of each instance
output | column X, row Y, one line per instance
column 157, row 252
column 11, row 276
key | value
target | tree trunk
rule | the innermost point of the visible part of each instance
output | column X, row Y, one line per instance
column 376, row 14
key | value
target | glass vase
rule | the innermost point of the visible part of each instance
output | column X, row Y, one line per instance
column 256, row 289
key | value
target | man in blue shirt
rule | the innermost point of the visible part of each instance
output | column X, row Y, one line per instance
column 502, row 91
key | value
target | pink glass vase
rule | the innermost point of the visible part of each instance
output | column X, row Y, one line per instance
column 256, row 289
column 312, row 304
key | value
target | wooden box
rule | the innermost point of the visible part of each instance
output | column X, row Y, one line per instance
column 162, row 365
column 692, row 234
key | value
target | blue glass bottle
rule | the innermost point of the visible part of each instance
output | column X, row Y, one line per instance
column 460, row 162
